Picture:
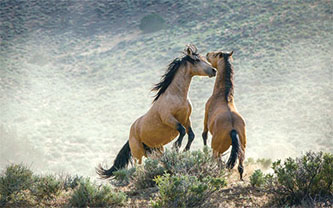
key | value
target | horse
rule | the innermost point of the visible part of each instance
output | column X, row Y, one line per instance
column 222, row 120
column 169, row 114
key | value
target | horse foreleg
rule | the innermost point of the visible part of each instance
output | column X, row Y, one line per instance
column 182, row 132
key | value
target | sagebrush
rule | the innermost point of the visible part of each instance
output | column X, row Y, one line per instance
column 305, row 178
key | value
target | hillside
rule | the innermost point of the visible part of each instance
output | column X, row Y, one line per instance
column 190, row 179
column 75, row 75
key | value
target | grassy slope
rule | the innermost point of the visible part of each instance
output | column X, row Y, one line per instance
column 93, row 63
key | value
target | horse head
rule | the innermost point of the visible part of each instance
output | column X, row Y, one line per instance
column 199, row 65
column 215, row 58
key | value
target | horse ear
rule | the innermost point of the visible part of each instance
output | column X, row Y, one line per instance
column 231, row 53
column 220, row 54
column 189, row 51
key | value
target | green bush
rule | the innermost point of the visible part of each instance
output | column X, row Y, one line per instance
column 185, row 190
column 257, row 179
column 14, row 180
column 152, row 23
column 122, row 177
column 144, row 175
column 70, row 182
column 88, row 194
column 196, row 163
column 304, row 178
column 46, row 187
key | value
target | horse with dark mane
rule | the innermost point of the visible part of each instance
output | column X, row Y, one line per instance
column 222, row 120
column 169, row 114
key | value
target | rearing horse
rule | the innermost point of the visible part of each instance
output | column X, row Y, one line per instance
column 223, row 121
column 169, row 114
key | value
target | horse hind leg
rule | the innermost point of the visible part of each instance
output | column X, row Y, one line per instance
column 137, row 149
column 241, row 157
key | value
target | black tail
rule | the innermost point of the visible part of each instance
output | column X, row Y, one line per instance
column 235, row 150
column 120, row 162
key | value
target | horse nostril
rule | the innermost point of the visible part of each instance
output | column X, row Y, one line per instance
column 214, row 70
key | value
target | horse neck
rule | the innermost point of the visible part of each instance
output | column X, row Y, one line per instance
column 181, row 83
column 223, row 83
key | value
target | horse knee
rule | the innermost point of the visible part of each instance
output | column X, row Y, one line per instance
column 182, row 132
column 181, row 129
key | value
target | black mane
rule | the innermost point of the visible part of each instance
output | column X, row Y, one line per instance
column 228, row 77
column 170, row 74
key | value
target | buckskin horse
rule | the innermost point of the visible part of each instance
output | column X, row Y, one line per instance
column 222, row 120
column 169, row 114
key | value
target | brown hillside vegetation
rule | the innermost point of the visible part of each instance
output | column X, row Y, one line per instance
column 75, row 74
column 191, row 179
column 85, row 67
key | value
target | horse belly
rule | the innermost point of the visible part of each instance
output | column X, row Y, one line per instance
column 158, row 135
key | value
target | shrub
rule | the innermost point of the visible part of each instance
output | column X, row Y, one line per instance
column 122, row 177
column 144, row 175
column 152, row 23
column 46, row 187
column 14, row 180
column 257, row 178
column 304, row 178
column 185, row 190
column 70, row 182
column 88, row 194
column 196, row 163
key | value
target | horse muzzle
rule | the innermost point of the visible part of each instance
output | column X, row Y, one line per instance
column 211, row 72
